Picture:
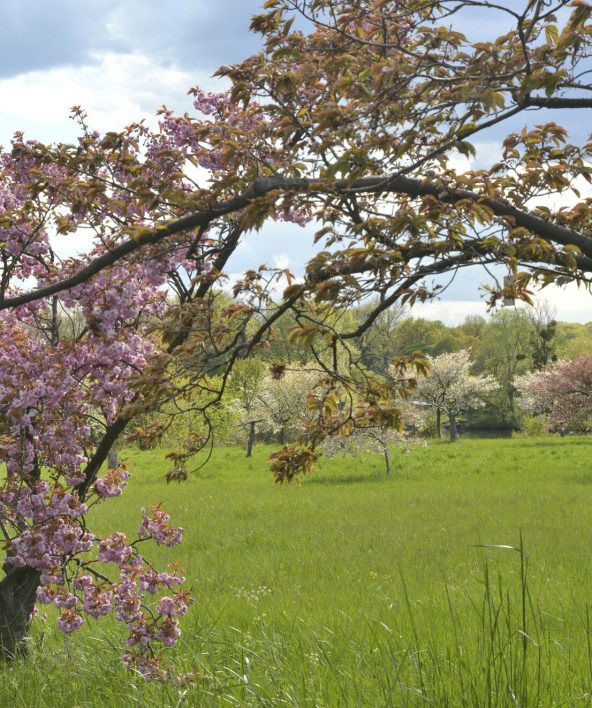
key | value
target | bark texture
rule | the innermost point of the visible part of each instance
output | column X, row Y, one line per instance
column 18, row 591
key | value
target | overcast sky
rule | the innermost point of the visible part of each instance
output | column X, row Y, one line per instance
column 122, row 59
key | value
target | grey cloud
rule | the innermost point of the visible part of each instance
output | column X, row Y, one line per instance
column 37, row 34
column 41, row 34
column 189, row 33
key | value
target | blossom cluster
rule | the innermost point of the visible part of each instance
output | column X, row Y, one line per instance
column 76, row 366
column 90, row 592
column 157, row 527
column 112, row 483
column 71, row 367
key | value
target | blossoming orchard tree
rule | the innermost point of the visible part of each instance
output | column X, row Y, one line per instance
column 286, row 396
column 348, row 123
column 245, row 388
column 449, row 388
column 379, row 439
column 563, row 392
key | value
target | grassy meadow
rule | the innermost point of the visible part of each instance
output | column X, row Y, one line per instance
column 357, row 589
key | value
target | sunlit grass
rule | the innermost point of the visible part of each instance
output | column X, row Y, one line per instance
column 356, row 588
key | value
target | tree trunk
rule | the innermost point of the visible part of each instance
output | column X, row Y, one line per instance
column 251, row 438
column 453, row 430
column 438, row 423
column 512, row 407
column 112, row 459
column 18, row 592
column 387, row 457
column 282, row 435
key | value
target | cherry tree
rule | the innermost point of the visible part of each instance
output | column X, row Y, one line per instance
column 379, row 439
column 350, row 125
column 450, row 388
column 286, row 393
column 55, row 388
column 563, row 392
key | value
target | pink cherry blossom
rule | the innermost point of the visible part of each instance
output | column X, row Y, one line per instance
column 158, row 528
column 69, row 622
column 112, row 484
column 114, row 549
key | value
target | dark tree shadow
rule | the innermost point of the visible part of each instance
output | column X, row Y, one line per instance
column 338, row 480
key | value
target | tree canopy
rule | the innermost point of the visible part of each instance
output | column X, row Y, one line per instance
column 349, row 121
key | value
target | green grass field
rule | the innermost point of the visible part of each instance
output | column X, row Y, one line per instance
column 355, row 589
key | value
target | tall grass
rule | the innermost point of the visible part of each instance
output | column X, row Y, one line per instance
column 464, row 579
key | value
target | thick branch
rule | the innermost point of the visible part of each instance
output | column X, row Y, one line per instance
column 413, row 187
column 418, row 188
column 187, row 223
column 92, row 468
column 120, row 424
column 552, row 102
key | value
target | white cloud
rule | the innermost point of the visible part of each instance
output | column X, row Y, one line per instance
column 116, row 90
column 570, row 304
column 451, row 312
column 488, row 153
column 72, row 245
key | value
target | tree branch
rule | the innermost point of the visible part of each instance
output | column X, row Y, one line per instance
column 552, row 102
column 261, row 186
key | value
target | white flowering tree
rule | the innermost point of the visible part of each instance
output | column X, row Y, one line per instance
column 285, row 395
column 379, row 439
column 450, row 388
column 271, row 400
column 526, row 385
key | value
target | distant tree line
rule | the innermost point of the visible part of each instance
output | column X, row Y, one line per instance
column 479, row 373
